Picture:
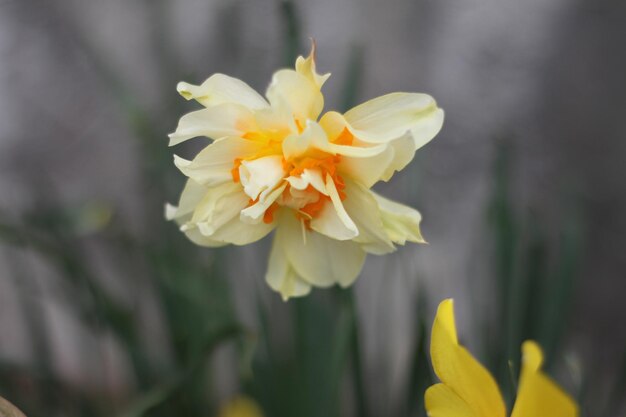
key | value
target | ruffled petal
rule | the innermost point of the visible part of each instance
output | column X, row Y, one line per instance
column 313, row 138
column 333, row 221
column 281, row 275
column 306, row 67
column 214, row 164
column 441, row 401
column 217, row 217
column 220, row 88
column 402, row 223
column 297, row 93
column 317, row 259
column 256, row 212
column 459, row 371
column 391, row 116
column 538, row 394
column 216, row 122
column 363, row 208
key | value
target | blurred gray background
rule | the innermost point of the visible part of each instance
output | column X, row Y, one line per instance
column 543, row 79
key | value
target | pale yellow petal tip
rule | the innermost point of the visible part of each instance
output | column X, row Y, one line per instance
column 241, row 407
column 184, row 89
column 170, row 211
column 307, row 67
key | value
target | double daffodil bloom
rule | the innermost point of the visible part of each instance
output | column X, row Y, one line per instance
column 467, row 389
column 275, row 164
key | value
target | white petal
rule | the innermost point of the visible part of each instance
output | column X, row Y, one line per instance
column 401, row 222
column 214, row 164
column 215, row 122
column 300, row 94
column 317, row 259
column 220, row 88
column 282, row 277
column 254, row 214
column 363, row 208
column 390, row 116
column 260, row 176
column 311, row 139
column 333, row 221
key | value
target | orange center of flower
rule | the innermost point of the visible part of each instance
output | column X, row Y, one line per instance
column 307, row 203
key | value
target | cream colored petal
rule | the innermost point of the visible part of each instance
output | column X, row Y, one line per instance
column 282, row 277
column 220, row 88
column 538, row 394
column 306, row 67
column 240, row 233
column 459, row 371
column 215, row 122
column 254, row 214
column 261, row 176
column 190, row 197
column 402, row 223
column 442, row 401
column 214, row 164
column 313, row 138
column 367, row 171
column 298, row 93
column 219, row 205
column 391, row 116
column 217, row 217
column 194, row 234
column 363, row 208
column 333, row 221
column 312, row 177
column 317, row 259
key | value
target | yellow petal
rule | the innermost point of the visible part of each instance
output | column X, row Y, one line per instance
column 306, row 67
column 317, row 259
column 459, row 371
column 402, row 223
column 241, row 407
column 220, row 88
column 441, row 401
column 391, row 116
column 213, row 165
column 363, row 208
column 538, row 395
column 215, row 123
column 281, row 275
column 297, row 93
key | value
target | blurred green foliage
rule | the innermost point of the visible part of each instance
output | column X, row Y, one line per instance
column 310, row 376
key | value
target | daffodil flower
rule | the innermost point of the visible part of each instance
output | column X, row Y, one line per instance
column 467, row 389
column 275, row 164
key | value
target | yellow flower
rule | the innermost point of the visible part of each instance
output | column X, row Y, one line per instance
column 274, row 164
column 467, row 389
column 241, row 407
